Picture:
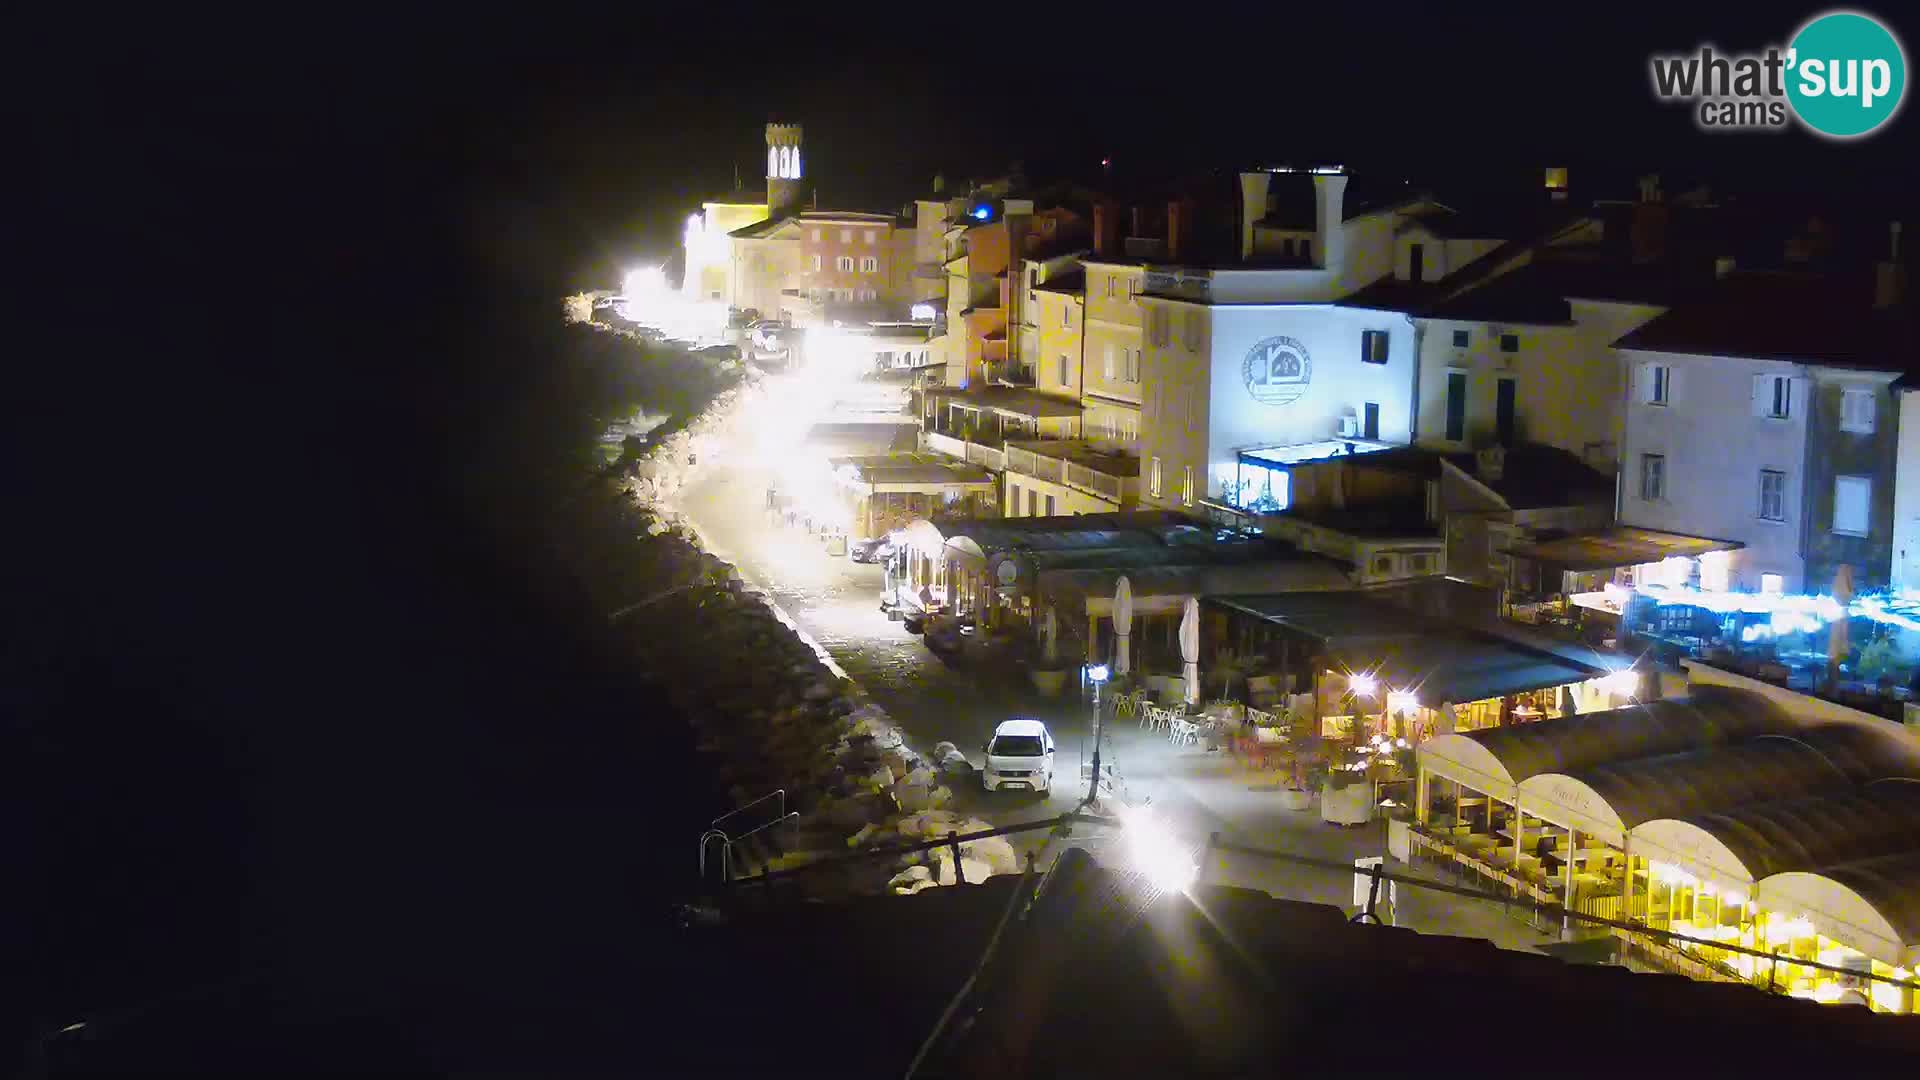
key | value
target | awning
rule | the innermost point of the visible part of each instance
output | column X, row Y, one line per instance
column 1459, row 668
column 1618, row 547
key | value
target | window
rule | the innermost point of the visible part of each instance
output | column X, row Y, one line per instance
column 1111, row 278
column 1509, row 342
column 1773, row 396
column 1153, row 477
column 1417, row 564
column 1462, row 338
column 1106, row 358
column 1653, row 477
column 1186, row 485
column 1064, row 381
column 1856, row 411
column 1456, row 406
column 1773, row 495
column 1383, row 564
column 1033, row 503
column 846, row 236
column 1373, row 346
column 1852, row 498
column 1066, row 315
column 1659, row 384
column 869, row 264
column 870, row 236
column 1013, row 499
column 844, row 264
column 1049, row 506
column 816, row 264
column 1133, row 365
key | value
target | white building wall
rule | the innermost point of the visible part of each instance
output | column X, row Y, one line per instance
column 1714, row 449
column 1906, row 494
column 1200, row 409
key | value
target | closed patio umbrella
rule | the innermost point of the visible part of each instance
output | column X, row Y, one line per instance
column 1568, row 707
column 1122, row 624
column 1050, row 635
column 1190, row 648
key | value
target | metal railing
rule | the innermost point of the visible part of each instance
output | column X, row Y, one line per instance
column 990, row 457
column 1376, row 874
column 717, row 831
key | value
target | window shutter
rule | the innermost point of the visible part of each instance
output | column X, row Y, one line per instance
column 1802, row 399
column 1642, row 379
column 1762, row 395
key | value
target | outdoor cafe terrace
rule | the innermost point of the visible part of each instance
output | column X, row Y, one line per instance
column 1720, row 817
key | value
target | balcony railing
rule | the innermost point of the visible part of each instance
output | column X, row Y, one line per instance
column 941, row 443
column 988, row 457
column 1067, row 473
column 976, row 453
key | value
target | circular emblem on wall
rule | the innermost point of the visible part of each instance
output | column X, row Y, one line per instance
column 1277, row 371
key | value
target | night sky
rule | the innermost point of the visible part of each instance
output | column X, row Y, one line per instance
column 286, row 711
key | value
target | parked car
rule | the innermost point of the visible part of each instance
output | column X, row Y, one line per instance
column 1020, row 755
column 874, row 549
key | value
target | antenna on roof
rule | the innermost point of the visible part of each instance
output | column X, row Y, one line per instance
column 736, row 176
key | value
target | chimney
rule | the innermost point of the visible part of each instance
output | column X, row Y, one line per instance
column 1329, row 216
column 1490, row 464
column 1179, row 228
column 1253, row 207
column 1723, row 266
column 1106, row 228
column 1890, row 274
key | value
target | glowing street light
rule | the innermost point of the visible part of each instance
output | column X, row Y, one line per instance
column 1363, row 685
column 1155, row 852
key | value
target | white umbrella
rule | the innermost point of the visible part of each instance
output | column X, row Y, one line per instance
column 1190, row 648
column 1122, row 623
column 1050, row 635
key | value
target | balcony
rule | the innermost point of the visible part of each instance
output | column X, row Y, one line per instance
column 977, row 453
column 1077, row 464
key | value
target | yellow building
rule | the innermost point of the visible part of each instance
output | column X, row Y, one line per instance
column 708, row 249
column 1111, row 385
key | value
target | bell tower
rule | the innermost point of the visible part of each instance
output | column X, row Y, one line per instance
column 786, row 171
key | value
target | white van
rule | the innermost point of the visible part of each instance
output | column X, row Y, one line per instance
column 1020, row 755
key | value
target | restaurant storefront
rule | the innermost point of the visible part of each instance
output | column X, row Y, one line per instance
column 1583, row 582
column 1356, row 667
column 1717, row 818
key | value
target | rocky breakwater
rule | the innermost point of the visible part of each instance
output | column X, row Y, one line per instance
column 772, row 714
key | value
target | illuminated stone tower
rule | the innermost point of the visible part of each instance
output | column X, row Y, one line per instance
column 786, row 172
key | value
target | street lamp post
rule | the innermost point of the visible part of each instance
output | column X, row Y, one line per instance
column 1095, row 674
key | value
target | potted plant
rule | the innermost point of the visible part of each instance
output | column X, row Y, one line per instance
column 1049, row 672
column 1306, row 774
column 1295, row 794
column 1346, row 796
